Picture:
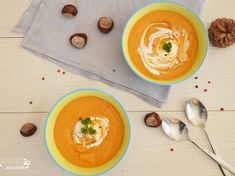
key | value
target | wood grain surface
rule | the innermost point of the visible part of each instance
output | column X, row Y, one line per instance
column 150, row 153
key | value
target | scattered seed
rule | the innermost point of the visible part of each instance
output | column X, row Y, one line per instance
column 196, row 77
column 205, row 90
column 63, row 73
column 209, row 82
column 30, row 102
column 43, row 78
column 196, row 86
column 221, row 109
column 58, row 71
column 172, row 149
column 114, row 70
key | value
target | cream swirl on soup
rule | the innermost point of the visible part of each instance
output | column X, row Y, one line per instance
column 163, row 48
column 91, row 132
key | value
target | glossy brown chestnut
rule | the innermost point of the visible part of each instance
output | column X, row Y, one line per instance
column 79, row 40
column 69, row 11
column 105, row 24
column 152, row 120
column 28, row 129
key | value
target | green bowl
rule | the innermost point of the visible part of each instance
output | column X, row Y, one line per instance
column 200, row 29
column 50, row 140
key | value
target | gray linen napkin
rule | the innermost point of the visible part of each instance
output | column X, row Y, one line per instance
column 47, row 34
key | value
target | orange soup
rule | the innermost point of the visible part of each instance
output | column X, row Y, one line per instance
column 89, row 132
column 163, row 45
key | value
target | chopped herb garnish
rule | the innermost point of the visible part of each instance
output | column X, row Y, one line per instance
column 86, row 129
column 86, row 121
column 91, row 130
column 167, row 47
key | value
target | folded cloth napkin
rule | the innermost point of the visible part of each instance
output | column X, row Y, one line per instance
column 47, row 34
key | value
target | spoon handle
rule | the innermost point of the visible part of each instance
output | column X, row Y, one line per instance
column 226, row 173
column 219, row 160
column 215, row 150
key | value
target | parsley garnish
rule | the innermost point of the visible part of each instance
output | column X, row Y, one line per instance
column 86, row 129
column 167, row 47
column 91, row 130
column 86, row 121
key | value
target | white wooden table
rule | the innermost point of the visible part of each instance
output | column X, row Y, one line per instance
column 21, row 81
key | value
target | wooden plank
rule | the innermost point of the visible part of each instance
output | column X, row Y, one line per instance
column 149, row 153
column 10, row 13
column 21, row 76
column 12, row 10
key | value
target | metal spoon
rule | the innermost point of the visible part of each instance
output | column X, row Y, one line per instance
column 177, row 130
column 197, row 115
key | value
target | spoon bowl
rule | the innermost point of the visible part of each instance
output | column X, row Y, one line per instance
column 196, row 112
column 175, row 129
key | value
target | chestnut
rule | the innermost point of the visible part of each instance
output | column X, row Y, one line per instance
column 69, row 11
column 105, row 24
column 153, row 120
column 78, row 40
column 28, row 129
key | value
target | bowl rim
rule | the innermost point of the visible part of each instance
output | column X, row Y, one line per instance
column 118, row 103
column 142, row 76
